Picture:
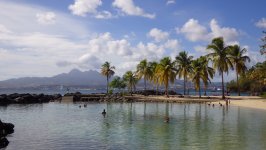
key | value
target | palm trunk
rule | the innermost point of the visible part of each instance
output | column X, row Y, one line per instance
column 166, row 89
column 166, row 92
column 205, row 89
column 199, row 90
column 131, row 90
column 184, row 85
column 238, row 88
column 223, row 97
column 144, row 85
column 157, row 87
column 107, row 80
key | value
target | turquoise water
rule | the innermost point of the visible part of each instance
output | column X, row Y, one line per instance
column 136, row 126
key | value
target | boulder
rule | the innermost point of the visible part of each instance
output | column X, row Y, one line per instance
column 5, row 129
column 3, row 142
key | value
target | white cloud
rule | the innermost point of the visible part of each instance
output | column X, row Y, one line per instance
column 46, row 18
column 261, row 23
column 29, row 48
column 158, row 35
column 86, row 61
column 229, row 34
column 194, row 31
column 129, row 8
column 83, row 7
column 20, row 18
column 172, row 44
column 201, row 49
column 50, row 50
column 104, row 15
column 170, row 2
column 3, row 29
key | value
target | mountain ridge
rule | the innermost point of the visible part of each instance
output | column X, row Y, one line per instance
column 73, row 78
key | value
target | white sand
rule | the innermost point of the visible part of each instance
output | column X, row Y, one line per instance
column 247, row 101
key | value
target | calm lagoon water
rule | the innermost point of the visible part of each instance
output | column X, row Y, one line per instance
column 56, row 126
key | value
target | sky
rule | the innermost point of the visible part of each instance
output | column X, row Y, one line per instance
column 42, row 38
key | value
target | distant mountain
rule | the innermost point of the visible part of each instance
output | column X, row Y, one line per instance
column 75, row 77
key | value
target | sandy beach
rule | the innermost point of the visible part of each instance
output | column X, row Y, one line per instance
column 243, row 101
column 247, row 101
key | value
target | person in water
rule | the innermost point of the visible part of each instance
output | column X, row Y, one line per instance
column 166, row 119
column 104, row 112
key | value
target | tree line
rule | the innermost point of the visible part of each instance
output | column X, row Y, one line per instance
column 221, row 59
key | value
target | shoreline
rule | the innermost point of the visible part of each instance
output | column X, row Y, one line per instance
column 242, row 101
column 255, row 102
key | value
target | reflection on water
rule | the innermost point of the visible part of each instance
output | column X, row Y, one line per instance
column 134, row 126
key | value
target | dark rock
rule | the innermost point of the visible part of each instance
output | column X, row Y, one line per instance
column 5, row 129
column 57, row 96
column 172, row 93
column 3, row 142
column 27, row 98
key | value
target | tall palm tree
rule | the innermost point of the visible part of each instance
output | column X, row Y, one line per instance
column 197, row 74
column 144, row 70
column 183, row 65
column 108, row 71
column 219, row 56
column 208, row 72
column 131, row 80
column 154, row 78
column 238, row 58
column 166, row 73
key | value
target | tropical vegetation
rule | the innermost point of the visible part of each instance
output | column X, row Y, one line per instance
column 108, row 71
column 239, row 59
column 165, row 72
column 117, row 83
column 219, row 55
column 144, row 70
column 221, row 58
column 131, row 80
column 184, row 67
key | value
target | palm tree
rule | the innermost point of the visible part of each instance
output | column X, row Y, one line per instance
column 219, row 56
column 238, row 58
column 144, row 70
column 183, row 65
column 208, row 72
column 197, row 74
column 108, row 71
column 154, row 78
column 166, row 73
column 131, row 80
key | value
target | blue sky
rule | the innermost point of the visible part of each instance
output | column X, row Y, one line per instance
column 47, row 37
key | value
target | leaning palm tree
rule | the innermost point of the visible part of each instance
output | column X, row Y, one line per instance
column 144, row 70
column 165, row 72
column 238, row 58
column 131, row 80
column 197, row 74
column 208, row 72
column 219, row 56
column 108, row 71
column 183, row 65
column 154, row 78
